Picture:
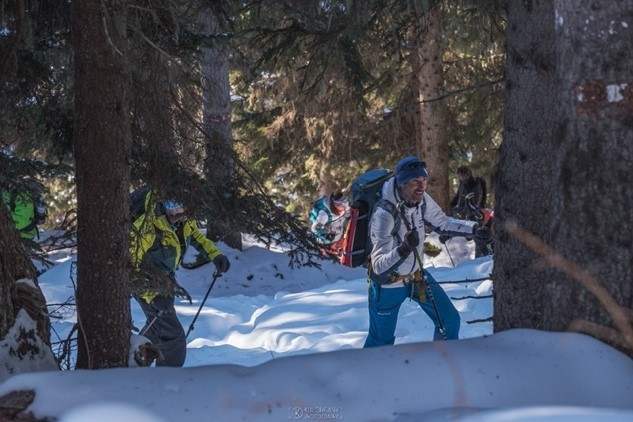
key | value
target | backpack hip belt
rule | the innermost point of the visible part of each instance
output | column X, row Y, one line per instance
column 418, row 281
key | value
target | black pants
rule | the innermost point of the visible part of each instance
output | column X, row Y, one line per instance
column 165, row 332
column 481, row 248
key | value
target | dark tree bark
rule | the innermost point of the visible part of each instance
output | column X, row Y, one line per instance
column 15, row 265
column 153, row 127
column 29, row 349
column 216, row 122
column 102, row 153
column 10, row 257
column 523, row 180
column 431, row 139
column 590, row 221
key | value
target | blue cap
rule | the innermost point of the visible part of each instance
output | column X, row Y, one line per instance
column 410, row 168
column 172, row 205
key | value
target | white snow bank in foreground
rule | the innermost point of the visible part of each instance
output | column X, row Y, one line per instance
column 512, row 369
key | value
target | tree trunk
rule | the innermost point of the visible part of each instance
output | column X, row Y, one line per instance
column 102, row 153
column 523, row 179
column 10, row 257
column 216, row 122
column 26, row 346
column 15, row 265
column 431, row 140
column 591, row 220
column 153, row 124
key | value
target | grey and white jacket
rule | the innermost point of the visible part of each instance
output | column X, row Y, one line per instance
column 385, row 259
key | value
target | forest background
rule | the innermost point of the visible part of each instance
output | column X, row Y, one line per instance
column 246, row 111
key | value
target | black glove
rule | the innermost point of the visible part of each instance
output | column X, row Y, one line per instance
column 221, row 263
column 410, row 242
column 483, row 234
column 444, row 238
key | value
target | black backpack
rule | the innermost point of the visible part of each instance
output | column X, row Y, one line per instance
column 365, row 196
column 484, row 191
column 137, row 202
column 40, row 211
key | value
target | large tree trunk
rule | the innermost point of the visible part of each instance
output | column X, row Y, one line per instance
column 216, row 122
column 102, row 152
column 523, row 180
column 591, row 220
column 11, row 255
column 16, row 265
column 431, row 139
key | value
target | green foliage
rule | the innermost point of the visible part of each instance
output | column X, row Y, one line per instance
column 321, row 93
column 475, row 59
column 35, row 117
column 431, row 250
column 316, row 109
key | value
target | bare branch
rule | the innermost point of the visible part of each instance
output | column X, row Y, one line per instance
column 619, row 314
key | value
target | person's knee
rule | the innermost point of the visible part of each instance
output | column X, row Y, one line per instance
column 382, row 327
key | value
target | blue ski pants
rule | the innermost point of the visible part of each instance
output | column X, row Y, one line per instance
column 384, row 304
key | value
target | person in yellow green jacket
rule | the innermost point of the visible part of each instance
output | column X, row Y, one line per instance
column 160, row 237
column 27, row 211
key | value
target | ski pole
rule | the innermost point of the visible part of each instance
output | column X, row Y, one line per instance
column 449, row 252
column 215, row 277
column 142, row 333
column 158, row 315
column 429, row 293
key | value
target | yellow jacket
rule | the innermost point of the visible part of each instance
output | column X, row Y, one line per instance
column 164, row 244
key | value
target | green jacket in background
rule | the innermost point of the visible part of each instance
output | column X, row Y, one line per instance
column 22, row 208
column 155, row 240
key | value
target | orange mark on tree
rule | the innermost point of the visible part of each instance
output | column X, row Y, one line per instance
column 591, row 97
column 627, row 97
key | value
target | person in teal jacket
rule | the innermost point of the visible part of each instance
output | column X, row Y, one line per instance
column 328, row 220
column 160, row 237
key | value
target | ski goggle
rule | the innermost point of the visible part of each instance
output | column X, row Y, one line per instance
column 414, row 165
column 172, row 206
column 340, row 202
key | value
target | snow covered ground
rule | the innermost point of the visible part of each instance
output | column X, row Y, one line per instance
column 274, row 343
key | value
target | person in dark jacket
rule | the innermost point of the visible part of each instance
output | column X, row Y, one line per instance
column 470, row 187
column 467, row 184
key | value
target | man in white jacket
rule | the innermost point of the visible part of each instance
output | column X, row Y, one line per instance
column 395, row 271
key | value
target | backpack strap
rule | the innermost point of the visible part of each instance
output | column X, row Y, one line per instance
column 320, row 205
column 386, row 277
column 12, row 198
column 393, row 210
column 423, row 210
